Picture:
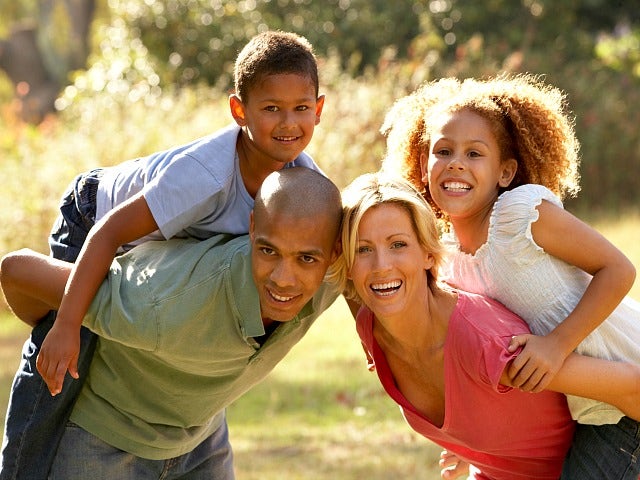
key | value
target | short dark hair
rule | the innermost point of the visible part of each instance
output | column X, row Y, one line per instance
column 274, row 53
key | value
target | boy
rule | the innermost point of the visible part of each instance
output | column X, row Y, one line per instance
column 185, row 327
column 193, row 190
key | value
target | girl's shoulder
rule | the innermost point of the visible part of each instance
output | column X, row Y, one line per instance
column 515, row 210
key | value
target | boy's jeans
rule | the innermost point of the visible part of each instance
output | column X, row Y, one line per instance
column 35, row 420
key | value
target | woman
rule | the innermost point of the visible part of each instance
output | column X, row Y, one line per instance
column 442, row 354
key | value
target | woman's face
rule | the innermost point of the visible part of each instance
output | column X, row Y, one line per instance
column 390, row 264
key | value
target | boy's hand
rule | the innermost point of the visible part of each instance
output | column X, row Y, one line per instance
column 452, row 466
column 58, row 354
column 536, row 365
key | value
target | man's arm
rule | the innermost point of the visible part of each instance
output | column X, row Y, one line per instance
column 33, row 283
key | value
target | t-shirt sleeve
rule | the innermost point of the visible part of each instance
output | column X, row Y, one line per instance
column 184, row 193
column 514, row 213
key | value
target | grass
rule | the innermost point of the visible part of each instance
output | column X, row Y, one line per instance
column 321, row 414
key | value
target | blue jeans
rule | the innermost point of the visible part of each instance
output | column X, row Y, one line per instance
column 35, row 420
column 604, row 452
column 83, row 456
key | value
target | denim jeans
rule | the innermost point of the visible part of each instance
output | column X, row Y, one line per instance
column 83, row 456
column 35, row 420
column 604, row 452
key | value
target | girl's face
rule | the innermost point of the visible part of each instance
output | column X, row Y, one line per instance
column 464, row 170
column 389, row 269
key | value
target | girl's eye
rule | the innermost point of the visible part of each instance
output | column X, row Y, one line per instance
column 443, row 152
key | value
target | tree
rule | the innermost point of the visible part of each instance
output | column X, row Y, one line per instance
column 38, row 55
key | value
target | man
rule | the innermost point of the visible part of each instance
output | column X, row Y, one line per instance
column 185, row 328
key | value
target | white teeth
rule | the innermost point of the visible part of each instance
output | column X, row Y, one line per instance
column 280, row 298
column 286, row 139
column 457, row 186
column 386, row 288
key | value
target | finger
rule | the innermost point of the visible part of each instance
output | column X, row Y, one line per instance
column 73, row 368
column 517, row 341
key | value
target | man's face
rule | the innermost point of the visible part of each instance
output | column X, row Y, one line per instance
column 289, row 258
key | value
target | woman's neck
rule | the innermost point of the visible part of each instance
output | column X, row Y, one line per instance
column 420, row 329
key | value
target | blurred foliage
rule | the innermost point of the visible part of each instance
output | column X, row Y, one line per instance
column 160, row 71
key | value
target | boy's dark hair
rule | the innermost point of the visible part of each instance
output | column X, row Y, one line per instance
column 274, row 53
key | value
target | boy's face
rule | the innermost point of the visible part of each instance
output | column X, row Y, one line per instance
column 289, row 258
column 277, row 118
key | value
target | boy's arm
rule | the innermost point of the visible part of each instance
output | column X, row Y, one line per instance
column 33, row 283
column 124, row 224
column 615, row 383
column 564, row 236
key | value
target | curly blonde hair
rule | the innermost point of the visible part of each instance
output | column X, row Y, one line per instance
column 528, row 117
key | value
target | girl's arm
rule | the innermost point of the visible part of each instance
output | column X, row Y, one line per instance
column 615, row 383
column 32, row 283
column 564, row 236
column 124, row 224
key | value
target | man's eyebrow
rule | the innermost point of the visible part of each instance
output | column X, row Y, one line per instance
column 312, row 252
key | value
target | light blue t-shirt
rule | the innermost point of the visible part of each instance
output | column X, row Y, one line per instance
column 193, row 190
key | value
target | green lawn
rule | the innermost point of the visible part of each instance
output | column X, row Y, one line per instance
column 321, row 414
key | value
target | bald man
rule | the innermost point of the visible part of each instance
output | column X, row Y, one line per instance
column 185, row 328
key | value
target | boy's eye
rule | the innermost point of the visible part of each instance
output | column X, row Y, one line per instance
column 271, row 108
column 302, row 108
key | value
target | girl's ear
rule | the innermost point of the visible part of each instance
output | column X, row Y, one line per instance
column 424, row 168
column 509, row 169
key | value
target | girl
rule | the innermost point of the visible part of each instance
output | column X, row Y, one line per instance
column 442, row 354
column 495, row 158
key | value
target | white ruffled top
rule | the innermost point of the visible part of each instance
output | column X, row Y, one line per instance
column 540, row 288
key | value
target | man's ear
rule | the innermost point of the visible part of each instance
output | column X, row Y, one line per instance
column 509, row 169
column 237, row 109
column 319, row 106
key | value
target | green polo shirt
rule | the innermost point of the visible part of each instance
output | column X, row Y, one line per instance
column 176, row 321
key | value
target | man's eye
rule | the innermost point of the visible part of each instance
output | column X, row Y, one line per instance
column 267, row 251
column 308, row 259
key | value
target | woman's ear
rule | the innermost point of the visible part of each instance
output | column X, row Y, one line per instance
column 509, row 169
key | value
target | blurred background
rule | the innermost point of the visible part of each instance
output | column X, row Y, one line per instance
column 95, row 82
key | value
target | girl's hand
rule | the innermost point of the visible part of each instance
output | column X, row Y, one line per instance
column 452, row 466
column 58, row 354
column 536, row 365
